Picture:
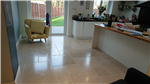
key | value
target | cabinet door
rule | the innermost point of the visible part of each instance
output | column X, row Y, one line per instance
column 77, row 29
column 88, row 29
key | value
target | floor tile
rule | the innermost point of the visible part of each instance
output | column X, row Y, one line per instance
column 44, row 56
column 64, row 52
column 101, row 71
column 62, row 74
column 78, row 77
column 65, row 60
column 28, row 58
column 62, row 60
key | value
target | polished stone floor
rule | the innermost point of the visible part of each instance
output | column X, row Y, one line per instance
column 65, row 60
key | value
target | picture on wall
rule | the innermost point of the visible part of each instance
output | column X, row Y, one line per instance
column 81, row 3
column 87, row 4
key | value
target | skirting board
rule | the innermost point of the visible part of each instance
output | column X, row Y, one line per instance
column 57, row 35
column 19, row 65
column 17, row 76
column 18, row 41
column 24, row 36
column 9, row 83
column 69, row 35
column 87, row 37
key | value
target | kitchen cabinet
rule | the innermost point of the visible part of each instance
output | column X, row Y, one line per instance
column 83, row 30
column 130, row 50
column 88, row 29
column 78, row 29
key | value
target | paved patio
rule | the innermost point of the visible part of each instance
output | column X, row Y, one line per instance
column 57, row 29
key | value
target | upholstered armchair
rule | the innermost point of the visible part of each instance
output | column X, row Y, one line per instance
column 36, row 29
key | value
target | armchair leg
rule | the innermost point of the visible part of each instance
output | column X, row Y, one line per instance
column 45, row 39
column 32, row 40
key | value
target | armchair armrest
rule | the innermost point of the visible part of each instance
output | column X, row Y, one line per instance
column 133, row 76
column 47, row 30
column 28, row 31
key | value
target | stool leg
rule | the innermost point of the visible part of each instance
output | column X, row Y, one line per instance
column 45, row 39
column 32, row 40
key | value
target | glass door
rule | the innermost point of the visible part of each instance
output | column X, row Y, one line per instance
column 57, row 17
column 38, row 9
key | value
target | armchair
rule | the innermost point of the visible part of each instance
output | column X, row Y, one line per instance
column 36, row 29
column 134, row 76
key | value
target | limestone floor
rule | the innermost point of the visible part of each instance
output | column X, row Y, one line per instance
column 65, row 60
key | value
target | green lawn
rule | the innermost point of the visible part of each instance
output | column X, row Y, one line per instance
column 58, row 21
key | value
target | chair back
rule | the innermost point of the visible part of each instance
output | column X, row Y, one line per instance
column 28, row 21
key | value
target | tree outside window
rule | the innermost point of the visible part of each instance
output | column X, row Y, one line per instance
column 98, row 3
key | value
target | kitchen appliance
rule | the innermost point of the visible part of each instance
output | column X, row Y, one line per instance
column 109, row 21
column 148, row 31
column 145, row 4
column 75, row 17
column 80, row 15
column 144, row 15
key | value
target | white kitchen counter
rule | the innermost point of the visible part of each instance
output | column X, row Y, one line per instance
column 84, row 29
column 130, row 50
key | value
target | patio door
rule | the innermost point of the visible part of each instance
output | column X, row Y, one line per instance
column 57, row 17
column 38, row 9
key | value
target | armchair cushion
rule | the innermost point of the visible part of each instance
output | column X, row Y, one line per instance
column 37, row 36
column 28, row 21
column 37, row 27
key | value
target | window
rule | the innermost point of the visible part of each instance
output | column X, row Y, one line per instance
column 38, row 9
column 98, row 3
column 105, row 3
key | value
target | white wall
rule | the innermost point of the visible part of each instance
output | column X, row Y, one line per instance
column 83, row 10
column 115, row 10
column 73, row 9
column 15, row 14
column 113, row 7
column 129, row 12
column 24, row 9
column 65, row 17
column 48, row 10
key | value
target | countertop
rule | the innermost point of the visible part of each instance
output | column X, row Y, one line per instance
column 125, row 32
column 93, row 21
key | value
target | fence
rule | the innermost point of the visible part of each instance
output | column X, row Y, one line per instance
column 39, row 11
column 57, row 11
column 96, row 11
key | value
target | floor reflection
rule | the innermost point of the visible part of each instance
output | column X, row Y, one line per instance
column 40, row 66
column 64, row 59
